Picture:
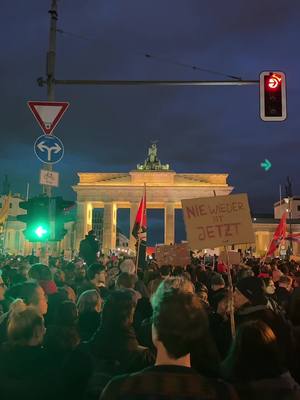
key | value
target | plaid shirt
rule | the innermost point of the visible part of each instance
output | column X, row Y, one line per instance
column 167, row 382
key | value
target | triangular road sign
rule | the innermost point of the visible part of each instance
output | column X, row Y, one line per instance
column 48, row 113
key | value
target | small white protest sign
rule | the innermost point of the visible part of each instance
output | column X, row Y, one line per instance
column 174, row 254
column 234, row 257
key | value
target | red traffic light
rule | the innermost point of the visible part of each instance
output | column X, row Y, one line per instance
column 272, row 96
column 274, row 81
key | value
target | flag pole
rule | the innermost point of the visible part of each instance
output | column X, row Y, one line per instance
column 269, row 245
column 137, row 254
column 280, row 195
column 140, row 231
column 230, row 284
column 231, row 301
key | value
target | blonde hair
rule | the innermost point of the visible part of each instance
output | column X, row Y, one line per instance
column 128, row 265
column 22, row 322
column 88, row 300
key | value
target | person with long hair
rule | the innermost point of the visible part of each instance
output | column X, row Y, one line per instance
column 89, row 309
column 72, row 366
column 115, row 340
column 255, row 364
column 23, row 365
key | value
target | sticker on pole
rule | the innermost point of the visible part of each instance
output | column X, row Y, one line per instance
column 49, row 178
column 48, row 113
column 49, row 149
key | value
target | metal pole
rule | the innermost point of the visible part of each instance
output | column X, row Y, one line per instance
column 50, row 71
column 27, row 191
column 231, row 300
column 291, row 230
column 150, row 82
column 51, row 54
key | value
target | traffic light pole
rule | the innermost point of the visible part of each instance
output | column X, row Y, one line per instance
column 50, row 71
column 51, row 81
column 151, row 82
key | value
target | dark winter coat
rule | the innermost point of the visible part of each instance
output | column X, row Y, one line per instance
column 121, row 346
column 282, row 387
column 283, row 297
column 88, row 323
column 281, row 327
column 24, row 373
column 88, row 249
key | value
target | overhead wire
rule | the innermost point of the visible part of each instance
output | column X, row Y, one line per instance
column 158, row 58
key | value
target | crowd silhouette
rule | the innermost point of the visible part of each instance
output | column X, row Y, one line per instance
column 73, row 330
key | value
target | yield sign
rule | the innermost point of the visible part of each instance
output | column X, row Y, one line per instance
column 48, row 113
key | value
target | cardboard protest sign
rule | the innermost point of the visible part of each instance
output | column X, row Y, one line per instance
column 175, row 255
column 217, row 221
column 233, row 256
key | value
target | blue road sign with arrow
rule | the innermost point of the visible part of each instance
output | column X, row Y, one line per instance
column 49, row 149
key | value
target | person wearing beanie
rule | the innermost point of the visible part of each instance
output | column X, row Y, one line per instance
column 250, row 290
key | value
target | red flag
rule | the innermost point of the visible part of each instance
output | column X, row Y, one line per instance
column 279, row 235
column 140, row 226
column 294, row 237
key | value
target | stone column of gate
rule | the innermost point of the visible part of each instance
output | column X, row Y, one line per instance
column 169, row 223
column 81, row 222
column 109, row 227
column 133, row 211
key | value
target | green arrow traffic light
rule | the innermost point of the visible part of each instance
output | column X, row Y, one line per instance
column 41, row 232
column 266, row 165
column 37, row 232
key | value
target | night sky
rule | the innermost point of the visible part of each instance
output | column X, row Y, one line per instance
column 199, row 129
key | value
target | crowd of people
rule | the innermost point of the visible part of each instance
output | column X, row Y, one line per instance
column 104, row 330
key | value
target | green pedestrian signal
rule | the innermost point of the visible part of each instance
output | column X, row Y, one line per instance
column 45, row 218
column 36, row 219
column 41, row 231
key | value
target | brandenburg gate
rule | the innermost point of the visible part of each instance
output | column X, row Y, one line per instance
column 165, row 189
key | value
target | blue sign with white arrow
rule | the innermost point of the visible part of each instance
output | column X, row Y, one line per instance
column 49, row 149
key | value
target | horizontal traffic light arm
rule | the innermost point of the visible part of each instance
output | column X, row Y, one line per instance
column 153, row 82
